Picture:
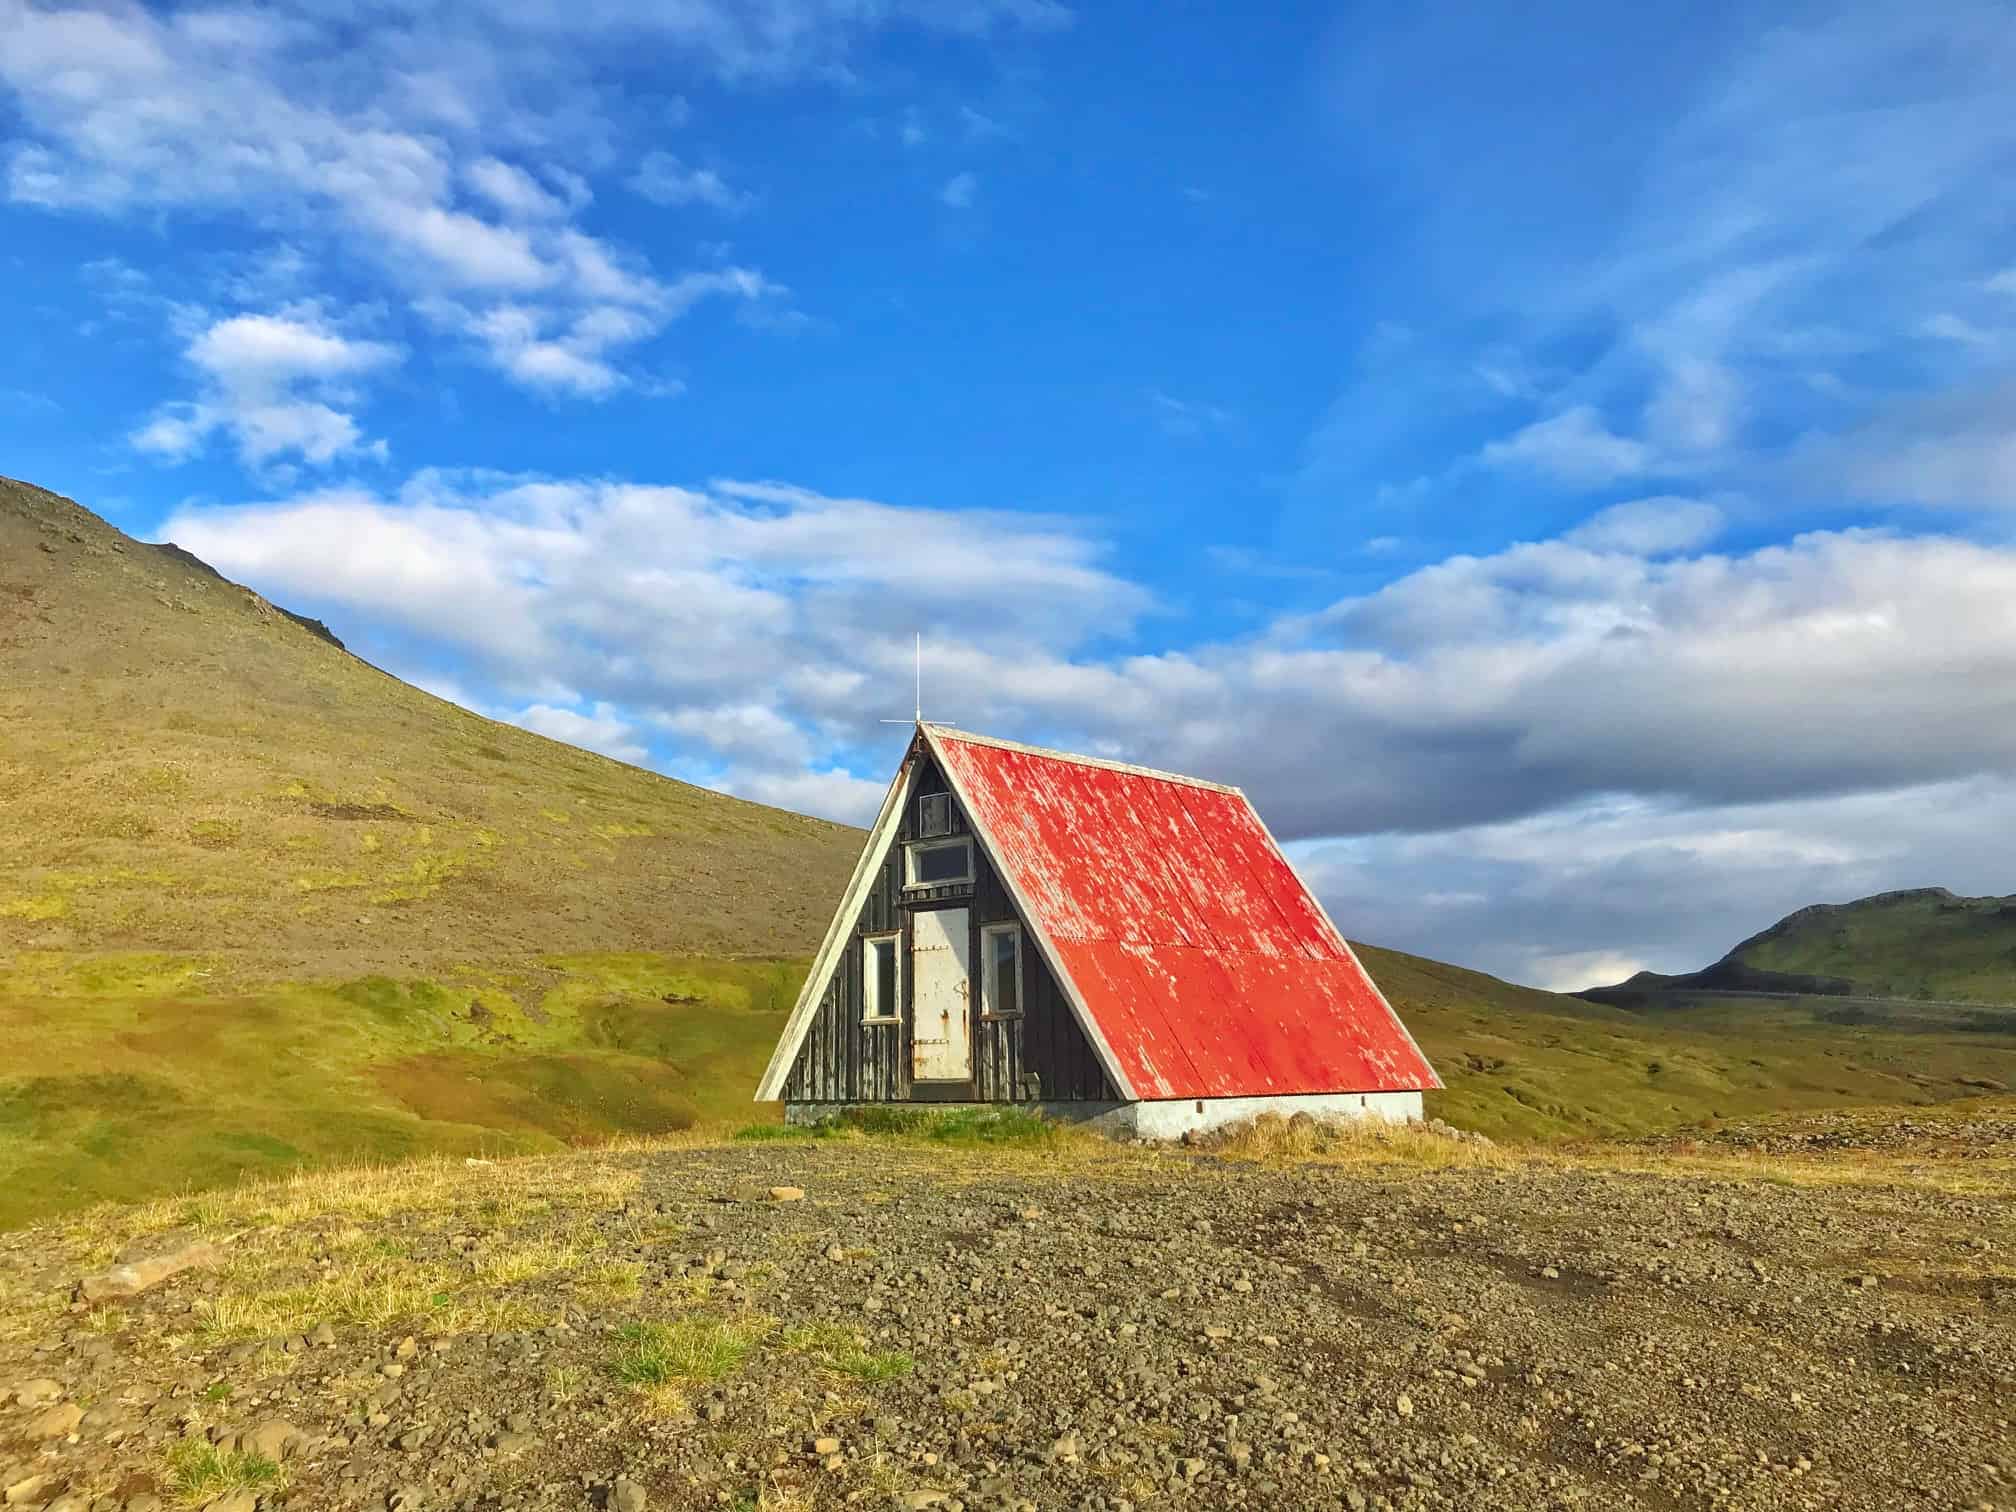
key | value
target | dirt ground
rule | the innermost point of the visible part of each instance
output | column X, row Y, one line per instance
column 1064, row 1325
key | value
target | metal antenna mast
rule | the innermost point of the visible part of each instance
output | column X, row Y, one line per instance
column 919, row 716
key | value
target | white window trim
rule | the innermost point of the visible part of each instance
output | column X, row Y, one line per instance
column 1014, row 931
column 893, row 1013
column 911, row 851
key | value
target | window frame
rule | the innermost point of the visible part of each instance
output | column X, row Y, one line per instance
column 942, row 829
column 988, row 1012
column 871, row 978
column 916, row 847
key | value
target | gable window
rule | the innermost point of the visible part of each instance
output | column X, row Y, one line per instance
column 1001, row 971
column 938, row 863
column 934, row 814
column 881, row 980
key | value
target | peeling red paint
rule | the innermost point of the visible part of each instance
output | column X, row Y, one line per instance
column 1203, row 960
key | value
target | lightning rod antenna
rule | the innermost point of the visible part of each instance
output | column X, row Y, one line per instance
column 920, row 677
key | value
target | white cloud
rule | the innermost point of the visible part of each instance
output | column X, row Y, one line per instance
column 392, row 151
column 1586, row 895
column 601, row 730
column 1696, row 408
column 979, row 126
column 664, row 180
column 1538, row 749
column 517, row 193
column 1649, row 527
column 1946, row 326
column 833, row 794
column 750, row 733
column 272, row 383
column 1955, row 449
column 960, row 191
column 670, row 601
column 259, row 351
column 1574, row 447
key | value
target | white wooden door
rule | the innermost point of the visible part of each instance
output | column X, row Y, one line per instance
column 940, row 991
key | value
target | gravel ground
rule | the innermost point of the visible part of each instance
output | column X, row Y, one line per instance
column 1063, row 1328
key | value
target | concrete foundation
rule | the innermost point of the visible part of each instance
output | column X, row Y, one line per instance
column 1170, row 1119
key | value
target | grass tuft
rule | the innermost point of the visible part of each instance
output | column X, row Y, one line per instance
column 690, row 1349
column 835, row 1347
column 200, row 1472
column 1271, row 1138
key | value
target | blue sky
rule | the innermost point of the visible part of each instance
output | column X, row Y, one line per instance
column 1560, row 464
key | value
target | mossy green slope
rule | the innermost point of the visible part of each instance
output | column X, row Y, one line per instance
column 1926, row 943
column 262, row 904
column 1526, row 1064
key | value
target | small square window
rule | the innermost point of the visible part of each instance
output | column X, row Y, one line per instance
column 934, row 814
column 938, row 863
column 881, row 979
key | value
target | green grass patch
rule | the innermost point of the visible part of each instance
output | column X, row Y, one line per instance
column 954, row 1126
column 767, row 1133
column 696, row 1348
column 200, row 1472
column 834, row 1347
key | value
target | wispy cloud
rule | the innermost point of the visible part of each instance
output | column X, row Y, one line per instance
column 960, row 191
column 1189, row 418
column 440, row 150
column 1574, row 447
column 274, row 384
column 664, row 179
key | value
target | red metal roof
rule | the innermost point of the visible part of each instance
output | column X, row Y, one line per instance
column 1197, row 953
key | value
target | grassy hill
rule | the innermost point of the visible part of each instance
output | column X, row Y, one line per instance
column 262, row 906
column 1923, row 943
column 1521, row 1063
column 262, row 903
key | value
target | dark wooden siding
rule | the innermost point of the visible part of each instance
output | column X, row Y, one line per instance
column 1040, row 1056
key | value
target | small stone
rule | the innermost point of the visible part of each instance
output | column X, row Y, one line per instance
column 626, row 1496
column 1065, row 1450
column 27, row 1489
column 234, row 1501
column 38, row 1392
column 835, row 1253
column 508, row 1444
column 407, row 1499
column 323, row 1336
column 914, row 1501
column 825, row 1446
column 1404, row 1406
column 274, row 1440
column 787, row 1194
column 407, row 1348
column 59, row 1421
column 130, row 1280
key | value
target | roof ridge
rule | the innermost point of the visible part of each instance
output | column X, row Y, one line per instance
column 950, row 732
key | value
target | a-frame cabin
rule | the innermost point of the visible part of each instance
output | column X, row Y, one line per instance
column 1098, row 940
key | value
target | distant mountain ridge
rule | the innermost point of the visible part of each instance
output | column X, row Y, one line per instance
column 1927, row 944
